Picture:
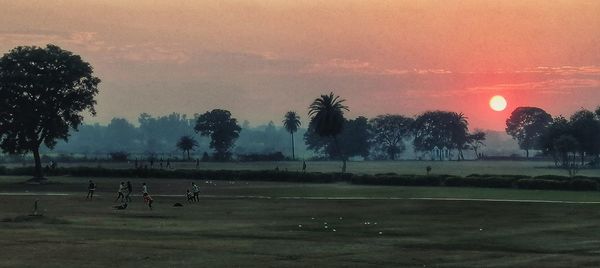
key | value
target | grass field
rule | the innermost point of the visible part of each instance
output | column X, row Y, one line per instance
column 462, row 168
column 227, row 230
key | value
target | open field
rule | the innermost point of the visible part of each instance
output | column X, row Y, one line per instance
column 227, row 230
column 459, row 168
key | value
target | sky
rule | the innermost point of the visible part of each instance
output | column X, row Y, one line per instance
column 261, row 58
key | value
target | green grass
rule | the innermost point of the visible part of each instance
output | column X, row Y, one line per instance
column 462, row 168
column 224, row 231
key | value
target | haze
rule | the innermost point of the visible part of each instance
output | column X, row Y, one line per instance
column 260, row 59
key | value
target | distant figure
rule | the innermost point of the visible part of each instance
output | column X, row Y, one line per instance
column 148, row 200
column 161, row 165
column 91, row 189
column 144, row 188
column 196, row 191
column 151, row 162
column 303, row 166
column 168, row 163
column 121, row 206
column 197, row 162
column 136, row 163
column 428, row 169
column 189, row 195
column 129, row 190
column 122, row 189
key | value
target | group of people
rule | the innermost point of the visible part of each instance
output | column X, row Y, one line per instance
column 125, row 190
column 123, row 194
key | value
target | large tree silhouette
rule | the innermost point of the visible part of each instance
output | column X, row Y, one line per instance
column 389, row 132
column 526, row 125
column 291, row 123
column 187, row 144
column 327, row 116
column 222, row 129
column 441, row 129
column 42, row 94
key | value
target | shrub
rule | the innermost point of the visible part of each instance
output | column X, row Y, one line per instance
column 119, row 156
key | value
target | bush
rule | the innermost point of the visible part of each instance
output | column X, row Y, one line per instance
column 488, row 181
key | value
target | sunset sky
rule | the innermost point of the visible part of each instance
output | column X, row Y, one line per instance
column 262, row 58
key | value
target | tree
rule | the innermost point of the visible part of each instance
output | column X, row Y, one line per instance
column 187, row 144
column 327, row 117
column 526, row 125
column 42, row 94
column 222, row 129
column 585, row 128
column 475, row 141
column 291, row 123
column 557, row 128
column 440, row 129
column 565, row 147
column 354, row 139
column 389, row 132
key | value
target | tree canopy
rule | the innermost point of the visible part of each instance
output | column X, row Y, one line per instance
column 526, row 125
column 390, row 131
column 222, row 129
column 441, row 129
column 42, row 94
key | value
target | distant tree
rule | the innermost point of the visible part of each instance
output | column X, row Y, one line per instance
column 585, row 128
column 222, row 129
column 327, row 117
column 565, row 147
column 557, row 128
column 120, row 135
column 440, row 129
column 390, row 131
column 475, row 141
column 354, row 139
column 526, row 125
column 42, row 93
column 291, row 123
column 187, row 144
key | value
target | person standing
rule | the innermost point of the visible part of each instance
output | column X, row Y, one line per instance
column 304, row 166
column 196, row 191
column 129, row 190
column 148, row 200
column 144, row 188
column 122, row 189
column 91, row 189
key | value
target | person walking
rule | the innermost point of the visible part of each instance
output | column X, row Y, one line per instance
column 91, row 189
column 129, row 190
column 121, row 191
column 196, row 191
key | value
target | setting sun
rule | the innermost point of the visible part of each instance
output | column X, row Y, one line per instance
column 498, row 103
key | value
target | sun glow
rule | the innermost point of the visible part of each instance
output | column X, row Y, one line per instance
column 498, row 103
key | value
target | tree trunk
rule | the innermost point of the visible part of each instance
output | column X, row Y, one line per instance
column 188, row 151
column 293, row 152
column 337, row 146
column 38, row 163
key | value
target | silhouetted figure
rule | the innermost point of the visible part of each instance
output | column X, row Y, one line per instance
column 91, row 189
column 151, row 162
column 121, row 191
column 196, row 191
column 129, row 190
column 428, row 169
column 121, row 206
column 136, row 163
column 303, row 166
column 189, row 195
column 197, row 163
column 148, row 200
column 168, row 163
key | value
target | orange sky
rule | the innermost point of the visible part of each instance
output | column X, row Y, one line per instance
column 262, row 58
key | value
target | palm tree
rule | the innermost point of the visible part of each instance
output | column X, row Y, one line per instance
column 186, row 144
column 291, row 122
column 459, row 127
column 327, row 116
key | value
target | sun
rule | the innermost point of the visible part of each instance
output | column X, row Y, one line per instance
column 498, row 103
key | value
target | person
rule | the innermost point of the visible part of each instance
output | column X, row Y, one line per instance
column 121, row 206
column 197, row 162
column 189, row 195
column 129, row 190
column 304, row 166
column 91, row 189
column 144, row 190
column 196, row 191
column 148, row 200
column 122, row 189
column 168, row 163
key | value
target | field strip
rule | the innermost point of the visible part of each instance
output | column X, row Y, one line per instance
column 329, row 198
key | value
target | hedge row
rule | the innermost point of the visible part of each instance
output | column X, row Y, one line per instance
column 475, row 180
